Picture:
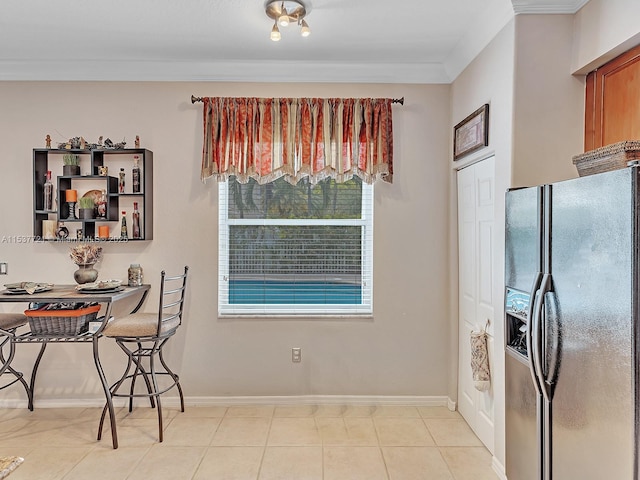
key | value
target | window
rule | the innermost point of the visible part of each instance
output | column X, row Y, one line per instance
column 295, row 249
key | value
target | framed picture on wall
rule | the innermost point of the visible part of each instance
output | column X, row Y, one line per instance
column 471, row 133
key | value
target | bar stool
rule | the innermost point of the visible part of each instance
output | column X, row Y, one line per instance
column 143, row 336
column 9, row 323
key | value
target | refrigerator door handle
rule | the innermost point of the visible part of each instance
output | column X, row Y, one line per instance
column 536, row 340
column 536, row 285
column 554, row 348
column 531, row 327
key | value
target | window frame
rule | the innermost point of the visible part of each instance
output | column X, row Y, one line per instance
column 225, row 309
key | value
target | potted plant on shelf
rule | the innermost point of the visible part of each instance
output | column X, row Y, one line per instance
column 87, row 208
column 71, row 164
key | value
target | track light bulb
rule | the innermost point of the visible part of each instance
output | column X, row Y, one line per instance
column 283, row 19
column 305, row 31
column 275, row 33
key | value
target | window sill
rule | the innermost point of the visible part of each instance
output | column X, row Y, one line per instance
column 313, row 317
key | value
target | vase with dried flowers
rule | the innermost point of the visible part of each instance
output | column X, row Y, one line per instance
column 85, row 257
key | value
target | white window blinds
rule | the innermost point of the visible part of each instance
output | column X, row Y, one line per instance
column 295, row 249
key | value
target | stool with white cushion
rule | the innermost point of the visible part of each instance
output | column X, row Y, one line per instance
column 142, row 336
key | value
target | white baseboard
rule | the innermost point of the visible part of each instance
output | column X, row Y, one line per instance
column 498, row 468
column 321, row 400
column 366, row 400
column 451, row 405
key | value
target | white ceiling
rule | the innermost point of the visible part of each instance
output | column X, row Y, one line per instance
column 413, row 41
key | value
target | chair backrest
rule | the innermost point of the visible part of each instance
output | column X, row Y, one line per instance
column 172, row 292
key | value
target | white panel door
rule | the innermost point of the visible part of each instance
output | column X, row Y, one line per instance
column 476, row 193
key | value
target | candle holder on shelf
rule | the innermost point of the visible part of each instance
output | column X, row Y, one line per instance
column 72, row 211
column 71, row 196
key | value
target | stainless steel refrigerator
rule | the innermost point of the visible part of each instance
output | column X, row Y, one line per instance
column 571, row 323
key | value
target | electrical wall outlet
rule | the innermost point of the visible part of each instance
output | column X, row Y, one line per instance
column 4, row 268
column 296, row 355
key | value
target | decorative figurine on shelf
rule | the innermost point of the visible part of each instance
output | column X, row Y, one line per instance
column 73, row 143
column 108, row 143
column 137, row 143
column 62, row 232
column 102, row 205
column 48, row 140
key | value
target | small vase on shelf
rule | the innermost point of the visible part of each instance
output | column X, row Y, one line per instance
column 48, row 193
column 136, row 221
column 123, row 225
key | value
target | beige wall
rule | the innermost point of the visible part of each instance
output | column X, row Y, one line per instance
column 548, row 114
column 489, row 79
column 604, row 29
column 400, row 351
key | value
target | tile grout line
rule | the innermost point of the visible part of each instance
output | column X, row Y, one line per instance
column 266, row 442
column 207, row 447
column 375, row 429
column 137, row 464
column 424, row 422
column 315, row 422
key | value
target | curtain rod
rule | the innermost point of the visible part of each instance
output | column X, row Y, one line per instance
column 393, row 100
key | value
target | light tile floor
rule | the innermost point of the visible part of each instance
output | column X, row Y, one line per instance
column 248, row 443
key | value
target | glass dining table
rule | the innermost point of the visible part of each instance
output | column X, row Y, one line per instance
column 114, row 303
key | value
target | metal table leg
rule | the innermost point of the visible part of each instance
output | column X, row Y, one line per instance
column 107, row 394
column 32, row 383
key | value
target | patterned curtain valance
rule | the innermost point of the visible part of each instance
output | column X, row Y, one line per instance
column 267, row 138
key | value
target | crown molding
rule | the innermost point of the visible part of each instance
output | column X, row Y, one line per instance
column 547, row 6
column 223, row 71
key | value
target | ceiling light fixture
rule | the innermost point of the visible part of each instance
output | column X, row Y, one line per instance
column 284, row 13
